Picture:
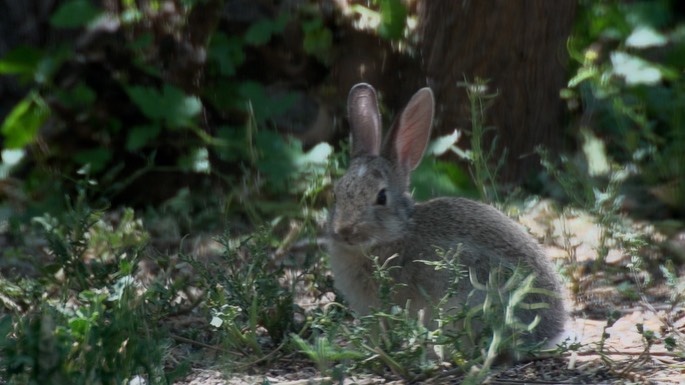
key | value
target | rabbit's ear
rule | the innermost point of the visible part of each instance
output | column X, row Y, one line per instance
column 365, row 120
column 409, row 135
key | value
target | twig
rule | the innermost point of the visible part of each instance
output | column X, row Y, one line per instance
column 260, row 359
column 202, row 344
column 624, row 353
column 532, row 382
column 319, row 380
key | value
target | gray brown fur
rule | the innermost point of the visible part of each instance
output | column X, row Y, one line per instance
column 359, row 227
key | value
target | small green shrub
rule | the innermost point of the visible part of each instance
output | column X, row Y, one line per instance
column 104, row 337
column 249, row 301
column 133, row 117
column 484, row 166
column 390, row 17
column 89, row 320
column 394, row 338
column 629, row 85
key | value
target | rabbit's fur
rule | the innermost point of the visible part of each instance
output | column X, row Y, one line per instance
column 366, row 222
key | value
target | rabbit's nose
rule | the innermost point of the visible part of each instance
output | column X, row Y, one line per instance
column 344, row 232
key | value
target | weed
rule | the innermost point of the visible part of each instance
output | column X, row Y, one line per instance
column 247, row 295
column 483, row 171
column 411, row 347
column 325, row 353
column 602, row 198
column 630, row 87
column 674, row 339
column 249, row 301
column 390, row 20
column 94, row 323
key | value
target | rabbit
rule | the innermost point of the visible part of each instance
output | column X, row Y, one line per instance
column 374, row 215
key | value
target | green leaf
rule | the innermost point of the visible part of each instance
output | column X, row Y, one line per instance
column 6, row 326
column 183, row 109
column 22, row 60
column 635, row 70
column 196, row 161
column 51, row 63
column 437, row 178
column 227, row 52
column 98, row 158
column 74, row 14
column 79, row 97
column 265, row 106
column 142, row 42
column 21, row 125
column 139, row 136
column 277, row 160
column 393, row 19
column 148, row 100
column 236, row 147
column 12, row 157
column 216, row 322
column 170, row 106
column 656, row 14
column 584, row 73
column 318, row 155
column 442, row 144
column 260, row 32
column 595, row 153
column 224, row 94
column 318, row 39
column 79, row 326
column 644, row 37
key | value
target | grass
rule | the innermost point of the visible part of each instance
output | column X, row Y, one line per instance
column 106, row 307
column 85, row 319
column 600, row 200
column 93, row 295
column 95, row 314
column 484, row 166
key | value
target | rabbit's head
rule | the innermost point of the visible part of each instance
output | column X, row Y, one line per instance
column 372, row 205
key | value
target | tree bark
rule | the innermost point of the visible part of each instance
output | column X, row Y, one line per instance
column 519, row 47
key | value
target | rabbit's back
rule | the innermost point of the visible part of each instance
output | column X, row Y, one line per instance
column 486, row 239
column 482, row 229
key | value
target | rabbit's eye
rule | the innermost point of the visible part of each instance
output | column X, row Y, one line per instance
column 381, row 199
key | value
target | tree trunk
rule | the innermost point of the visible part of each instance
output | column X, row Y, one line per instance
column 519, row 47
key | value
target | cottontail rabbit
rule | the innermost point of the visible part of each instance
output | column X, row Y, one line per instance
column 375, row 216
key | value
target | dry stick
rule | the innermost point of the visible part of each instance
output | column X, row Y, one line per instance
column 635, row 377
column 652, row 308
column 676, row 379
column 669, row 361
column 198, row 343
column 267, row 356
column 623, row 353
column 288, row 240
column 260, row 359
column 7, row 301
column 542, row 382
column 318, row 380
column 667, row 320
column 640, row 358
column 624, row 373
column 202, row 344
